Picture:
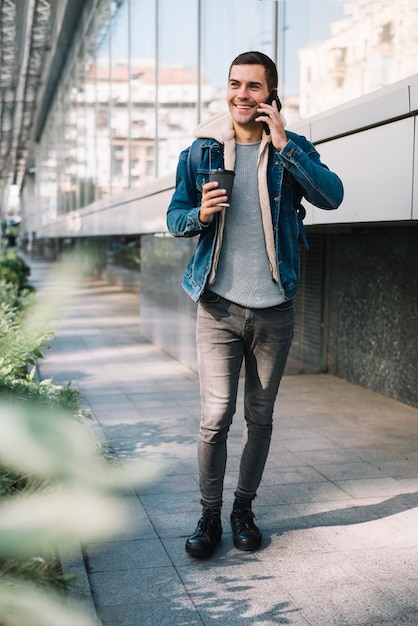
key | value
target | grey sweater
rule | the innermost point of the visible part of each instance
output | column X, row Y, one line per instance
column 243, row 274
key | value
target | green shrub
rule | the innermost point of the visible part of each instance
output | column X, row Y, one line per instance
column 26, row 390
column 54, row 477
column 38, row 570
column 20, row 346
column 13, row 269
column 15, row 296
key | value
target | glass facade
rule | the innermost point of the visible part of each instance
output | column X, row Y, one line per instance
column 143, row 73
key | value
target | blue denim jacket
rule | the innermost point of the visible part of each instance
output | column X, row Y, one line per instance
column 292, row 174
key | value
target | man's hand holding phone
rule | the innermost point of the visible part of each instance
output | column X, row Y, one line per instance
column 272, row 122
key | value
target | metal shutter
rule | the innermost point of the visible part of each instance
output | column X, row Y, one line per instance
column 307, row 353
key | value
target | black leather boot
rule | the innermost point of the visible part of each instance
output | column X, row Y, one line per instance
column 245, row 533
column 207, row 535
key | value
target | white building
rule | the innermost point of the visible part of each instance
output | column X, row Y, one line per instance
column 376, row 44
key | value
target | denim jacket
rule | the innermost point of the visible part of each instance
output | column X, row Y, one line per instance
column 288, row 176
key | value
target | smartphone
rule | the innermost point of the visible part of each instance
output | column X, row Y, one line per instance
column 273, row 96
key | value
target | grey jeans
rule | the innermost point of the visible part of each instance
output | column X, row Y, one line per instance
column 227, row 334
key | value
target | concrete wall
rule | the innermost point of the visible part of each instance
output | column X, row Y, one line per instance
column 167, row 313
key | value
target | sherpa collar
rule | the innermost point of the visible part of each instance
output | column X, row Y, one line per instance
column 221, row 129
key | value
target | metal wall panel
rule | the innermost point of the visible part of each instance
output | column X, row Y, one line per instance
column 376, row 167
column 389, row 103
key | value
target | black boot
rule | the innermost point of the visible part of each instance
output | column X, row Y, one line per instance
column 245, row 533
column 207, row 535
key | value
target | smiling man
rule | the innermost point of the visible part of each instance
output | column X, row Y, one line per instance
column 244, row 275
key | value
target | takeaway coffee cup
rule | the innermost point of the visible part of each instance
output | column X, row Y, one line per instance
column 225, row 178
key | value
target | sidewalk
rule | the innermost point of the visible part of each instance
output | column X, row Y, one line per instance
column 337, row 506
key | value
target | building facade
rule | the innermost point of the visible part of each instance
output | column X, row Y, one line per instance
column 126, row 82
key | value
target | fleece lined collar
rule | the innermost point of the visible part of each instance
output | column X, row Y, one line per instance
column 221, row 129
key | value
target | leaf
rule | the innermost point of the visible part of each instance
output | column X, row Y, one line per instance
column 23, row 604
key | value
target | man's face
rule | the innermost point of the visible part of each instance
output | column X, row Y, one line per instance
column 247, row 87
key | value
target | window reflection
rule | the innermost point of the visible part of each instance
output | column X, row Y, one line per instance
column 370, row 45
column 91, row 114
column 120, row 97
column 103, row 97
column 142, row 132
column 141, row 79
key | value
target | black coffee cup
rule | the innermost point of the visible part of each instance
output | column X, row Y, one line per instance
column 225, row 178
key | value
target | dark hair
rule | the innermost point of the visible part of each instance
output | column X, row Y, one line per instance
column 258, row 58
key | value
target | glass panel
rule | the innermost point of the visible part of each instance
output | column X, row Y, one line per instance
column 338, row 50
column 120, row 97
column 102, row 132
column 70, row 148
column 57, row 123
column 143, row 91
column 91, row 192
column 102, row 17
column 80, row 123
column 177, row 80
column 65, row 203
column 47, row 198
column 226, row 23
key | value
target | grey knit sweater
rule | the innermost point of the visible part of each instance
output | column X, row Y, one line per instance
column 243, row 275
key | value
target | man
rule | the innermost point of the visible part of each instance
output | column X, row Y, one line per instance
column 244, row 275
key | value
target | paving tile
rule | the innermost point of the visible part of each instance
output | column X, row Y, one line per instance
column 292, row 475
column 402, row 468
column 396, row 564
column 332, row 456
column 239, row 592
column 283, row 539
column 309, row 443
column 310, row 492
column 373, row 534
column 179, row 524
column 124, row 555
column 169, row 484
column 179, row 612
column 372, row 487
column 330, row 590
column 353, row 470
column 136, row 521
column 269, row 511
column 130, row 586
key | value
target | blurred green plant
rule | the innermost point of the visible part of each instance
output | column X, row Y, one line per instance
column 14, row 269
column 55, row 479
column 20, row 346
column 13, row 295
column 55, row 492
column 127, row 254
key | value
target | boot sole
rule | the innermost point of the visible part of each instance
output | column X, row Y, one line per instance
column 202, row 552
column 248, row 545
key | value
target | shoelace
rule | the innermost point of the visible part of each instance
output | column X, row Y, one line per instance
column 246, row 517
column 206, row 519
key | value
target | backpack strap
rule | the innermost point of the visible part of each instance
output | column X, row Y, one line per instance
column 193, row 159
column 301, row 211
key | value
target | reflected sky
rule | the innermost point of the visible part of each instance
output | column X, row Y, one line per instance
column 226, row 30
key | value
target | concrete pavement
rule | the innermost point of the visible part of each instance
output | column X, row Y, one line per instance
column 337, row 505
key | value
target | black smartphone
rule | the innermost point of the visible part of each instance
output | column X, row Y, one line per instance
column 273, row 96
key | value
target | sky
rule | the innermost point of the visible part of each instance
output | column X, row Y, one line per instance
column 227, row 32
